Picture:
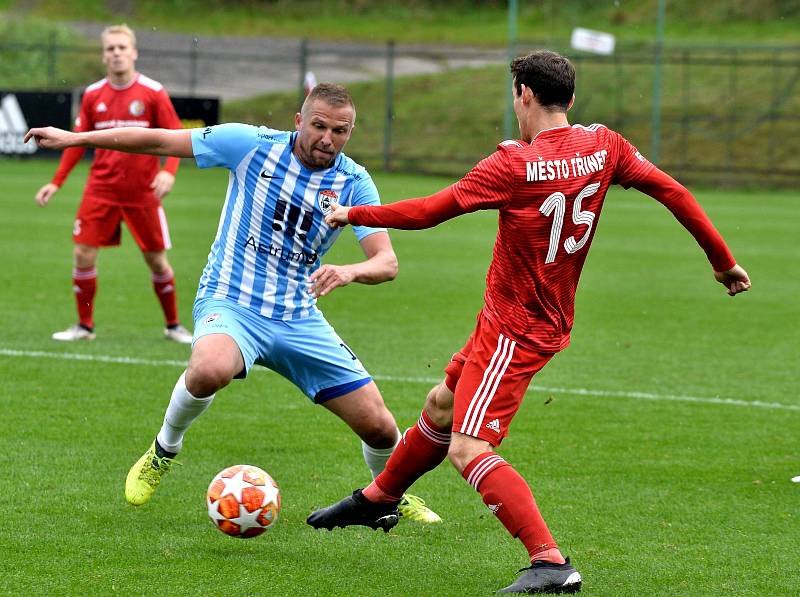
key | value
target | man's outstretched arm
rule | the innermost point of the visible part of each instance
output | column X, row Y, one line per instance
column 409, row 214
column 676, row 198
column 167, row 142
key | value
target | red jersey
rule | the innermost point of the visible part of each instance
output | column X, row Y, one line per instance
column 115, row 177
column 549, row 194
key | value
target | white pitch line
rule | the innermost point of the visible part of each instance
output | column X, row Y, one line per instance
column 99, row 358
column 71, row 356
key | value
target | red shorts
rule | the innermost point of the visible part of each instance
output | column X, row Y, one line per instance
column 99, row 225
column 489, row 377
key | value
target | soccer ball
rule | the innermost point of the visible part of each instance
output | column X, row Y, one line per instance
column 243, row 501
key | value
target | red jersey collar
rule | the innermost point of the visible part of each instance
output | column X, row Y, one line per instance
column 551, row 130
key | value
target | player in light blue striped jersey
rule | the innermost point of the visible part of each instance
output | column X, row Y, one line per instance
column 257, row 298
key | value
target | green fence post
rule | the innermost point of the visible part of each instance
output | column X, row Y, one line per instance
column 387, row 125
column 508, row 119
column 52, row 48
column 301, row 93
column 733, row 77
column 655, row 139
column 619, row 106
column 773, row 114
column 686, row 96
column 193, row 67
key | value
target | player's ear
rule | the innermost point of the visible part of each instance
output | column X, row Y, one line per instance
column 572, row 101
column 298, row 121
column 526, row 94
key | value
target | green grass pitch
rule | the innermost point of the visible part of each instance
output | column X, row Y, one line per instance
column 659, row 446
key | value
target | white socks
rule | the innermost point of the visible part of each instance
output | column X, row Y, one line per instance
column 376, row 458
column 183, row 409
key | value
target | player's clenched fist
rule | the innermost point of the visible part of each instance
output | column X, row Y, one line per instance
column 50, row 137
column 338, row 216
column 735, row 280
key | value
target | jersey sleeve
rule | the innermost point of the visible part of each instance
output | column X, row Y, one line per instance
column 72, row 155
column 677, row 199
column 365, row 193
column 224, row 145
column 167, row 118
column 410, row 214
column 631, row 166
column 488, row 185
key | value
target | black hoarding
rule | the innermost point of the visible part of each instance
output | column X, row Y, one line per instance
column 21, row 110
column 196, row 112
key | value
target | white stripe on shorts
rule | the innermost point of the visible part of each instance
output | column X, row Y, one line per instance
column 162, row 218
column 486, row 390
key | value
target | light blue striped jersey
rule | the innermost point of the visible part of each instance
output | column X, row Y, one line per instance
column 272, row 231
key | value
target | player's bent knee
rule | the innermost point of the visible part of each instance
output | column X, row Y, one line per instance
column 458, row 459
column 464, row 449
column 84, row 255
column 379, row 432
column 204, row 379
column 439, row 406
column 156, row 261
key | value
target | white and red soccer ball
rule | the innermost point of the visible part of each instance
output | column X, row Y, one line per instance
column 243, row 501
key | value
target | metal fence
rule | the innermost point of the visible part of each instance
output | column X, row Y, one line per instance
column 729, row 115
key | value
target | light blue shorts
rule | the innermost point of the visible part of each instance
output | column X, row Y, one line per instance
column 307, row 352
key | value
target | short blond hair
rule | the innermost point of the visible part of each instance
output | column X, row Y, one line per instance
column 121, row 28
column 330, row 93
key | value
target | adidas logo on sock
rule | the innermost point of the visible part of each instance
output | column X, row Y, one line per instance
column 494, row 507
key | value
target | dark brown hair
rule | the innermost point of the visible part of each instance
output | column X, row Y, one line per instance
column 550, row 76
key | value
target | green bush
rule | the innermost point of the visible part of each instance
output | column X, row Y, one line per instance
column 36, row 53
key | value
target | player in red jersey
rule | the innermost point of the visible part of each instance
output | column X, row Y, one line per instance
column 121, row 187
column 549, row 188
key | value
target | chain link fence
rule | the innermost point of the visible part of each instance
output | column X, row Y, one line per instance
column 729, row 115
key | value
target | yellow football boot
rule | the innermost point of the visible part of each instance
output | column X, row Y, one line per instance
column 414, row 508
column 145, row 475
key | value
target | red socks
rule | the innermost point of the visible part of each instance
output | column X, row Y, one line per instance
column 506, row 493
column 84, row 285
column 422, row 448
column 164, row 285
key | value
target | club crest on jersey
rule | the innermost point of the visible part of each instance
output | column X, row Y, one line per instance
column 325, row 198
column 136, row 108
